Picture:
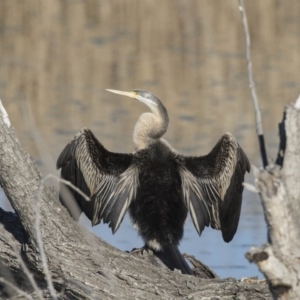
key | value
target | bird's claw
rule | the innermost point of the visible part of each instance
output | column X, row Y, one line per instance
column 139, row 250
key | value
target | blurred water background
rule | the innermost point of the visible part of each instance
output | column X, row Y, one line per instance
column 57, row 57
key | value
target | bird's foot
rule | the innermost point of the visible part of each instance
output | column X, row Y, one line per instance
column 139, row 250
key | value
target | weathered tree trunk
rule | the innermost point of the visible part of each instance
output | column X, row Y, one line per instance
column 280, row 194
column 81, row 265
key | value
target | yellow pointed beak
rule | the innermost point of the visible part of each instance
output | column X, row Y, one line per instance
column 128, row 94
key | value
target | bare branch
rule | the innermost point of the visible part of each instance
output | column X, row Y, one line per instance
column 297, row 103
column 250, row 187
column 68, row 183
column 40, row 241
column 259, row 127
column 36, row 136
column 37, row 226
column 4, row 114
column 20, row 292
column 22, row 264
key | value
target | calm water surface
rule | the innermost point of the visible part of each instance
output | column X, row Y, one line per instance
column 58, row 57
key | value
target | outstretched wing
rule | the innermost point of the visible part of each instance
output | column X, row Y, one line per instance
column 109, row 179
column 212, row 186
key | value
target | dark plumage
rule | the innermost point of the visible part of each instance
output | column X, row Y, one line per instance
column 156, row 184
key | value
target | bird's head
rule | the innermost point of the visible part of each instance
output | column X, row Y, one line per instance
column 150, row 126
column 143, row 96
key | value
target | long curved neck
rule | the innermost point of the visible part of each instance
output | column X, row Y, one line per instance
column 150, row 127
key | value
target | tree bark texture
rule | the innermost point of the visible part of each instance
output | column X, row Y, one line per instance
column 279, row 189
column 81, row 265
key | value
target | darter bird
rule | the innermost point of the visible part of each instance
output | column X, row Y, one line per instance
column 156, row 184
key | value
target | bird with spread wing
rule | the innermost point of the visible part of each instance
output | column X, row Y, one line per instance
column 155, row 184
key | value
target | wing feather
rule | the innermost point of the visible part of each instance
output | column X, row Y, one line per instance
column 199, row 212
column 110, row 179
column 212, row 186
column 120, row 199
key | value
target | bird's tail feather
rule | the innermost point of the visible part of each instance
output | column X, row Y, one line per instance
column 173, row 259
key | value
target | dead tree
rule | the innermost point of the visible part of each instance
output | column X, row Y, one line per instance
column 77, row 264
column 279, row 189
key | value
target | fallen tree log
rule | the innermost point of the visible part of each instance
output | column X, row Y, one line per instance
column 77, row 264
